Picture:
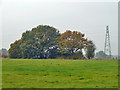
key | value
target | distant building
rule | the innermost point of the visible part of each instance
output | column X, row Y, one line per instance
column 3, row 53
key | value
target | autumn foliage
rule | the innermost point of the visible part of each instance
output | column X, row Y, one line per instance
column 71, row 43
column 46, row 42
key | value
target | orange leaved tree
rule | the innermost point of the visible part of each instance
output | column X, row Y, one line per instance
column 70, row 42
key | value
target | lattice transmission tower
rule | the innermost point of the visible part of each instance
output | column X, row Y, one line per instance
column 107, row 48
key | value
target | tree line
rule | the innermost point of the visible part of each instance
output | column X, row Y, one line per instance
column 45, row 42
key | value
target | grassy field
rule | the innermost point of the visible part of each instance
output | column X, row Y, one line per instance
column 52, row 73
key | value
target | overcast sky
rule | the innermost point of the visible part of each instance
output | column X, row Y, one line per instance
column 90, row 18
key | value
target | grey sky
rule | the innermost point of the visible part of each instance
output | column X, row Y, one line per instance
column 89, row 18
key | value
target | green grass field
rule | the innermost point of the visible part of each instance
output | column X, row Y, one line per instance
column 53, row 73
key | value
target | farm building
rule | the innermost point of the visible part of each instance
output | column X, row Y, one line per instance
column 3, row 53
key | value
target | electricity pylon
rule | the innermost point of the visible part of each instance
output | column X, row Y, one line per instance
column 107, row 48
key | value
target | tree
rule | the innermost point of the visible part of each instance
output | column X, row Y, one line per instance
column 14, row 51
column 90, row 51
column 72, row 42
column 37, row 43
column 101, row 55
